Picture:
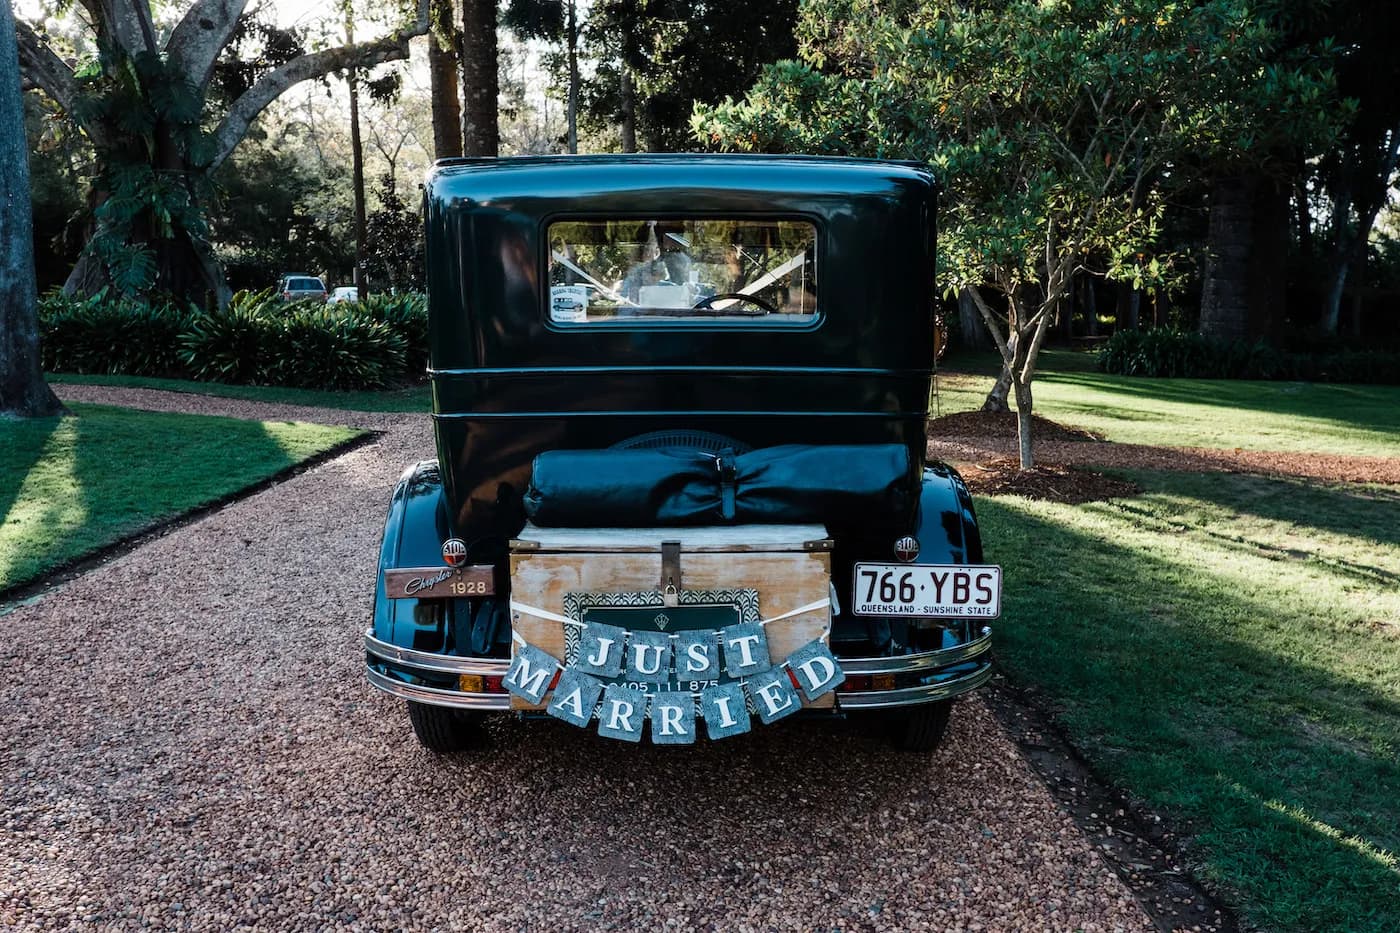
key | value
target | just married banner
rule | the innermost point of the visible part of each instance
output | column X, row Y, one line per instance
column 608, row 667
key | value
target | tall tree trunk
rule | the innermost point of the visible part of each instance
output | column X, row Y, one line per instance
column 1245, row 286
column 1126, row 307
column 357, row 167
column 480, row 82
column 572, row 27
column 23, row 392
column 1225, row 291
column 184, row 266
column 1091, row 304
column 443, row 79
column 970, row 326
column 629, row 111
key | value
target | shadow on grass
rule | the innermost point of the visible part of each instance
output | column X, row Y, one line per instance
column 1353, row 510
column 118, row 472
column 1373, row 408
column 1210, row 703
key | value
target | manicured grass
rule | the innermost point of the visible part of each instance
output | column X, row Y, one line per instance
column 413, row 398
column 1227, row 649
column 69, row 486
column 1288, row 416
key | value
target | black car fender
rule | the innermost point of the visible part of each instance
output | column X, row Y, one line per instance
column 946, row 524
column 414, row 531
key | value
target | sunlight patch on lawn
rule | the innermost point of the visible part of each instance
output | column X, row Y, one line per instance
column 1361, row 846
column 50, row 502
column 69, row 487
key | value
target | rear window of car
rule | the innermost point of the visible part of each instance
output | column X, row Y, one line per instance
column 721, row 271
column 305, row 285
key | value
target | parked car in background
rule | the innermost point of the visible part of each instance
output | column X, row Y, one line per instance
column 344, row 293
column 298, row 286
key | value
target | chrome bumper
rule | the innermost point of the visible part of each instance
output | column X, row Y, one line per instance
column 926, row 663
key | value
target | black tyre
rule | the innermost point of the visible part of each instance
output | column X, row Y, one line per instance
column 442, row 729
column 919, row 728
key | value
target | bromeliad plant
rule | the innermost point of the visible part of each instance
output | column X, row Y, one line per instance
column 1058, row 129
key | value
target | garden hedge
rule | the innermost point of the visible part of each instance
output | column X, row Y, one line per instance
column 258, row 340
column 1164, row 352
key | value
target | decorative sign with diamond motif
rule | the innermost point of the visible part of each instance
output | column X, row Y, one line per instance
column 625, row 671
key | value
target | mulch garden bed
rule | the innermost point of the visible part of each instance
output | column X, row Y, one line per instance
column 1048, row 481
column 1004, row 424
column 984, row 445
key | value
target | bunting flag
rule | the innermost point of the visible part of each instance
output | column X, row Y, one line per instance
column 583, row 693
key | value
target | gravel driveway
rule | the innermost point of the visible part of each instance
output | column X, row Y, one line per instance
column 188, row 740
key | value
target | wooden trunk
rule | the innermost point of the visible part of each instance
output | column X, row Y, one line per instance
column 788, row 565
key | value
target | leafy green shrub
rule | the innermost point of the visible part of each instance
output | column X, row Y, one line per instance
column 227, row 345
column 259, row 339
column 98, row 335
column 406, row 314
column 1165, row 352
column 326, row 348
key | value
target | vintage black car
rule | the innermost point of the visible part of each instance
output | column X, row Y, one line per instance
column 680, row 406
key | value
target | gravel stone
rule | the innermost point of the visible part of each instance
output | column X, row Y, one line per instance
column 189, row 742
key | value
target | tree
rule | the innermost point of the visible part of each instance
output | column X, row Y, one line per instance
column 145, row 108
column 23, row 392
column 1057, row 129
column 553, row 21
column 653, row 59
column 481, row 135
column 1244, row 288
column 442, row 74
column 394, row 250
column 1358, row 173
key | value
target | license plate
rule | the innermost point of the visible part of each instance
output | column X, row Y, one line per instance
column 961, row 591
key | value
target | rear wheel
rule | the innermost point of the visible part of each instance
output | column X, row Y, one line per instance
column 442, row 729
column 919, row 728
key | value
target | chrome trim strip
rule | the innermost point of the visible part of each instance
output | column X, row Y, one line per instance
column 924, row 661
column 861, row 699
column 910, row 696
column 491, row 702
column 432, row 661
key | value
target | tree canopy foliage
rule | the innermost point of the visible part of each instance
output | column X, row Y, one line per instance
column 1058, row 129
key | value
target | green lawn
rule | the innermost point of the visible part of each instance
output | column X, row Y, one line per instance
column 1290, row 416
column 1227, row 649
column 414, row 398
column 69, row 486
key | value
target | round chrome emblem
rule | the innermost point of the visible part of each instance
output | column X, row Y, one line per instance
column 906, row 548
column 454, row 552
